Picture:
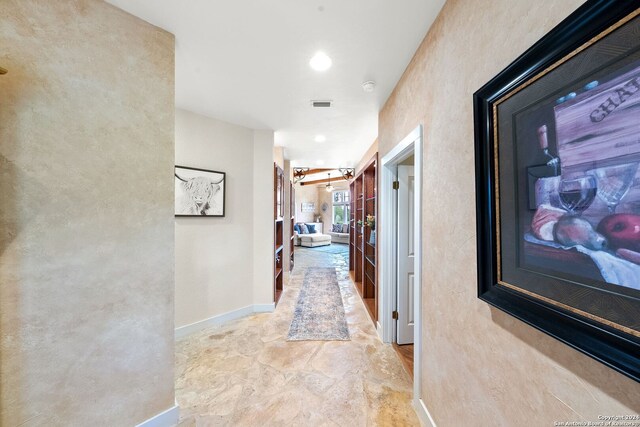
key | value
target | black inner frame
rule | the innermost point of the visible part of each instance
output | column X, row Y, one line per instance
column 599, row 340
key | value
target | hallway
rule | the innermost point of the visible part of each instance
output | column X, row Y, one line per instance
column 245, row 373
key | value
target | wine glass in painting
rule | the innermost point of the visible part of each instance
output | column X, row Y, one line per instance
column 614, row 183
column 577, row 194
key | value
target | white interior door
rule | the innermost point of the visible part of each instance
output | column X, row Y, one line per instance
column 406, row 254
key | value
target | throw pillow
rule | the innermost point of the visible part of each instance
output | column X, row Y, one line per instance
column 336, row 228
column 345, row 228
column 304, row 229
column 311, row 228
column 296, row 228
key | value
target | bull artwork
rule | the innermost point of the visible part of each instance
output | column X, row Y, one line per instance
column 199, row 192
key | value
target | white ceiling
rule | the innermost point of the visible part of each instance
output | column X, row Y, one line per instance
column 247, row 62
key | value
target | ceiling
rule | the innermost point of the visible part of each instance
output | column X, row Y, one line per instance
column 247, row 62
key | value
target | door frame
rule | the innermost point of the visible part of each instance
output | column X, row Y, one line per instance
column 411, row 144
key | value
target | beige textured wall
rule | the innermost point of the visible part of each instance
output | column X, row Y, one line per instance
column 481, row 366
column 373, row 149
column 214, row 256
column 318, row 195
column 86, row 215
column 306, row 194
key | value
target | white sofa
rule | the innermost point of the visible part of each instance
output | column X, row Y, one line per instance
column 342, row 237
column 312, row 240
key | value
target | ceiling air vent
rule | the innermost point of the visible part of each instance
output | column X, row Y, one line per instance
column 320, row 104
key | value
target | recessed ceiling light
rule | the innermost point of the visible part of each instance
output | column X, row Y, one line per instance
column 320, row 62
column 320, row 138
column 319, row 162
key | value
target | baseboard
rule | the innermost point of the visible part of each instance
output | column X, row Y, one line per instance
column 186, row 330
column 426, row 420
column 379, row 331
column 168, row 418
column 264, row 308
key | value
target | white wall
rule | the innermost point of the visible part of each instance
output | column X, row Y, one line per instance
column 215, row 268
column 278, row 157
column 263, row 224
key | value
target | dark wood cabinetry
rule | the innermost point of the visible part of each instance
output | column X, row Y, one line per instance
column 278, row 212
column 363, row 252
column 292, row 220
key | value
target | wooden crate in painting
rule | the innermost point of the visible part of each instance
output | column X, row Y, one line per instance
column 600, row 128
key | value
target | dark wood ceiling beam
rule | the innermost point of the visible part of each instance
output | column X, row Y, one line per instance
column 320, row 181
column 312, row 171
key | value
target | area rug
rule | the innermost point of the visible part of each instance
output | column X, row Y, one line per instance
column 319, row 313
column 334, row 248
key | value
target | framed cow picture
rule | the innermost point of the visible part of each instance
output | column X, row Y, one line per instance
column 199, row 192
column 557, row 137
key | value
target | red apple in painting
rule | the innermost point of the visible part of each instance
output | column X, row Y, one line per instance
column 621, row 231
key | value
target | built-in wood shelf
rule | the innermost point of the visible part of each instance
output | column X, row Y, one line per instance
column 292, row 221
column 370, row 304
column 362, row 254
column 278, row 231
column 368, row 276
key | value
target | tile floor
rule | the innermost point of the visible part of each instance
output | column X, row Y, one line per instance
column 246, row 374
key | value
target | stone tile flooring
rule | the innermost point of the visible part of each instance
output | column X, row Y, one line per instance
column 245, row 373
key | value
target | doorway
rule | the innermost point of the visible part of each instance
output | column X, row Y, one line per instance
column 405, row 255
column 400, row 246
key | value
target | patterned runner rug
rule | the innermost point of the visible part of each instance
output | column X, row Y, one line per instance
column 319, row 313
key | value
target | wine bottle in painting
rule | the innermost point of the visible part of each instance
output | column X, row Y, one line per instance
column 544, row 179
column 553, row 161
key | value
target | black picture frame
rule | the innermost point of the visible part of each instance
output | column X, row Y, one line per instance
column 217, row 183
column 616, row 348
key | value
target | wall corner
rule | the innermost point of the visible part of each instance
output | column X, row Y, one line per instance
column 262, row 197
